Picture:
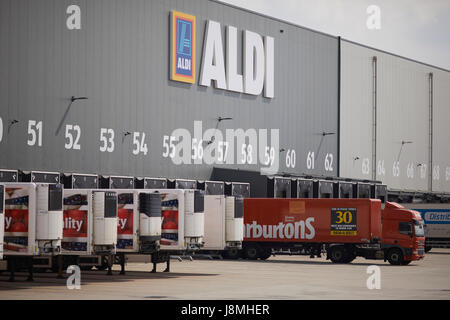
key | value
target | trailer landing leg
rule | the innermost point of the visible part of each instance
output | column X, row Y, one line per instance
column 12, row 269
column 110, row 262
column 60, row 268
column 168, row 266
column 30, row 269
column 122, row 264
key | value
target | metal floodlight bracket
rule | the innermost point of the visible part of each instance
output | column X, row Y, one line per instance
column 219, row 120
column 73, row 98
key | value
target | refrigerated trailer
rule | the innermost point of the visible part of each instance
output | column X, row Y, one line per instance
column 33, row 225
column 33, row 219
column 90, row 228
column 139, row 221
column 344, row 228
column 223, row 223
column 182, row 225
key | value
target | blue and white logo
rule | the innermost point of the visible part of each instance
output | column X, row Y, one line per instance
column 184, row 38
column 435, row 216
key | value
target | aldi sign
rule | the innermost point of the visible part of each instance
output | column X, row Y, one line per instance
column 219, row 68
column 182, row 66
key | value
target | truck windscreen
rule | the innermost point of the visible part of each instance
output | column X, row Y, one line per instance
column 418, row 228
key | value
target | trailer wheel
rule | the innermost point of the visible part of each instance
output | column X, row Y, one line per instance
column 338, row 254
column 233, row 254
column 395, row 257
column 251, row 252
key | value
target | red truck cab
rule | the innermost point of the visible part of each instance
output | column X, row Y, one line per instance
column 403, row 237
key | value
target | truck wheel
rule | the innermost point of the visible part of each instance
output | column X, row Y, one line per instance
column 428, row 248
column 251, row 252
column 265, row 253
column 395, row 257
column 338, row 254
column 405, row 263
column 349, row 258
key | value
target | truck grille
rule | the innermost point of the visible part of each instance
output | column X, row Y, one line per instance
column 420, row 252
column 421, row 243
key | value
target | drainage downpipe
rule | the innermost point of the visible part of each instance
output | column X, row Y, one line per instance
column 374, row 118
column 430, row 125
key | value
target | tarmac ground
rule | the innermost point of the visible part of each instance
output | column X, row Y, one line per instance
column 280, row 277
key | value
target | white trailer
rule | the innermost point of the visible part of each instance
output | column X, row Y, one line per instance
column 33, row 225
column 90, row 227
column 223, row 222
column 182, row 224
column 139, row 221
column 33, row 219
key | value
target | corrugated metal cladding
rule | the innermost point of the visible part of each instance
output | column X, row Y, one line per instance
column 119, row 60
column 396, row 112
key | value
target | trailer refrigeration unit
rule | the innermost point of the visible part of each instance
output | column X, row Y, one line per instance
column 33, row 224
column 345, row 228
column 90, row 228
column 139, row 223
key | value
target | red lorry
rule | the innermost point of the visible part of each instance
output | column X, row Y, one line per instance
column 344, row 228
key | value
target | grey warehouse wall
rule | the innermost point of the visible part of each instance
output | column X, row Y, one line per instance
column 404, row 95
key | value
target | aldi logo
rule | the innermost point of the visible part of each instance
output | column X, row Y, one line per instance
column 182, row 63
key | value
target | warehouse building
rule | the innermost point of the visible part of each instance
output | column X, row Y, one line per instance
column 174, row 89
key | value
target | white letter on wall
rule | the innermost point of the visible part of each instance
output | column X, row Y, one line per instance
column 74, row 20
column 253, row 63
column 213, row 67
column 270, row 61
column 234, row 79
